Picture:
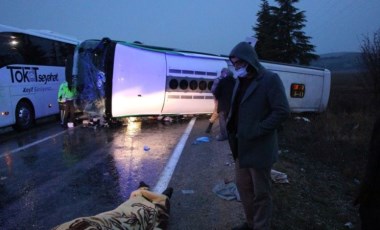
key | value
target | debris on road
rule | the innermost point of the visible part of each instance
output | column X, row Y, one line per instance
column 201, row 140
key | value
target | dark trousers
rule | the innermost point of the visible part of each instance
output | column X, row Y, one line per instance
column 254, row 186
column 69, row 111
column 222, row 124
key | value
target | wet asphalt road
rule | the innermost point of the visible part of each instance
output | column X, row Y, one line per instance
column 49, row 175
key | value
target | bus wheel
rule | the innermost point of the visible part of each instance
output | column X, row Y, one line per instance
column 24, row 116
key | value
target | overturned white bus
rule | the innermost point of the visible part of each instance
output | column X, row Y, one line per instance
column 119, row 79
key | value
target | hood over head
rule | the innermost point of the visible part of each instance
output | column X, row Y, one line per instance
column 246, row 52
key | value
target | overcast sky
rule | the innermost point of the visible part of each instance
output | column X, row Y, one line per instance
column 213, row 26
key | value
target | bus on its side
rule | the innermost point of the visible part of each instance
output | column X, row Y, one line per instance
column 32, row 67
column 120, row 79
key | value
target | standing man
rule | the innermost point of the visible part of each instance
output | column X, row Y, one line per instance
column 259, row 106
column 223, row 94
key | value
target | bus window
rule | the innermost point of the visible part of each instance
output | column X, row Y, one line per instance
column 63, row 51
column 209, row 85
column 183, row 84
column 8, row 51
column 33, row 50
column 173, row 84
column 193, row 84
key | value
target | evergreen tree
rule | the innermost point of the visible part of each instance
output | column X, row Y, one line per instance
column 265, row 29
column 280, row 29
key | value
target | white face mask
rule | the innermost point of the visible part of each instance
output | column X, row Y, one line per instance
column 242, row 72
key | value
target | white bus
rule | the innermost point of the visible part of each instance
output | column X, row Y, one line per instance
column 119, row 79
column 32, row 66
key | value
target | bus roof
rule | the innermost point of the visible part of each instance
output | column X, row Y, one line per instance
column 41, row 33
column 172, row 50
column 204, row 55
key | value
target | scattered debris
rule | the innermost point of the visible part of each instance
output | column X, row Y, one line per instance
column 227, row 191
column 227, row 164
column 95, row 122
column 302, row 118
column 201, row 140
column 279, row 177
column 168, row 119
column 85, row 123
column 187, row 191
column 283, row 151
column 349, row 225
column 70, row 125
column 165, row 118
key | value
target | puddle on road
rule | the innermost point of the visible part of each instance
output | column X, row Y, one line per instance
column 82, row 172
column 133, row 162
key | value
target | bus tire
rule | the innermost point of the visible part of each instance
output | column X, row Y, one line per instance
column 24, row 116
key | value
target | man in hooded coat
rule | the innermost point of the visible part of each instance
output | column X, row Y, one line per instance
column 259, row 106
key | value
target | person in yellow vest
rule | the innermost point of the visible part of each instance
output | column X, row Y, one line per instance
column 66, row 97
column 67, row 94
column 61, row 103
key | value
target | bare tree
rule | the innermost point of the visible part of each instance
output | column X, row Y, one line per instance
column 371, row 57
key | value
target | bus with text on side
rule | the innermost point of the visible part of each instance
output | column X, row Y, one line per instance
column 32, row 66
column 120, row 79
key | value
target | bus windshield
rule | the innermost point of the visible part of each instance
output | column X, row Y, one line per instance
column 89, row 71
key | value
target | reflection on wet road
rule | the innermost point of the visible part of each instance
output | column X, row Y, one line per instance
column 80, row 171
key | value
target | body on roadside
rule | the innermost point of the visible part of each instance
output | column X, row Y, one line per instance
column 259, row 106
column 143, row 210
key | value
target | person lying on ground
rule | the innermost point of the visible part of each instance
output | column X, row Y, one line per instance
column 143, row 210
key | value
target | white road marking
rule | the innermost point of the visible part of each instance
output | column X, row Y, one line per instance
column 167, row 173
column 31, row 144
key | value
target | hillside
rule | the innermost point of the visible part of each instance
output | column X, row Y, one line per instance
column 340, row 62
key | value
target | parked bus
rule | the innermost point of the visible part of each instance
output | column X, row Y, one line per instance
column 119, row 79
column 32, row 66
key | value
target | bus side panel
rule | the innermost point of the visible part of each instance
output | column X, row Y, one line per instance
column 38, row 85
column 42, row 93
column 138, row 84
column 312, row 79
column 188, row 101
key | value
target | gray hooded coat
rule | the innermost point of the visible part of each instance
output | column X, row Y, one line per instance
column 262, row 109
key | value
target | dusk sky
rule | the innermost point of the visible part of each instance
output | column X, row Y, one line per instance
column 212, row 26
